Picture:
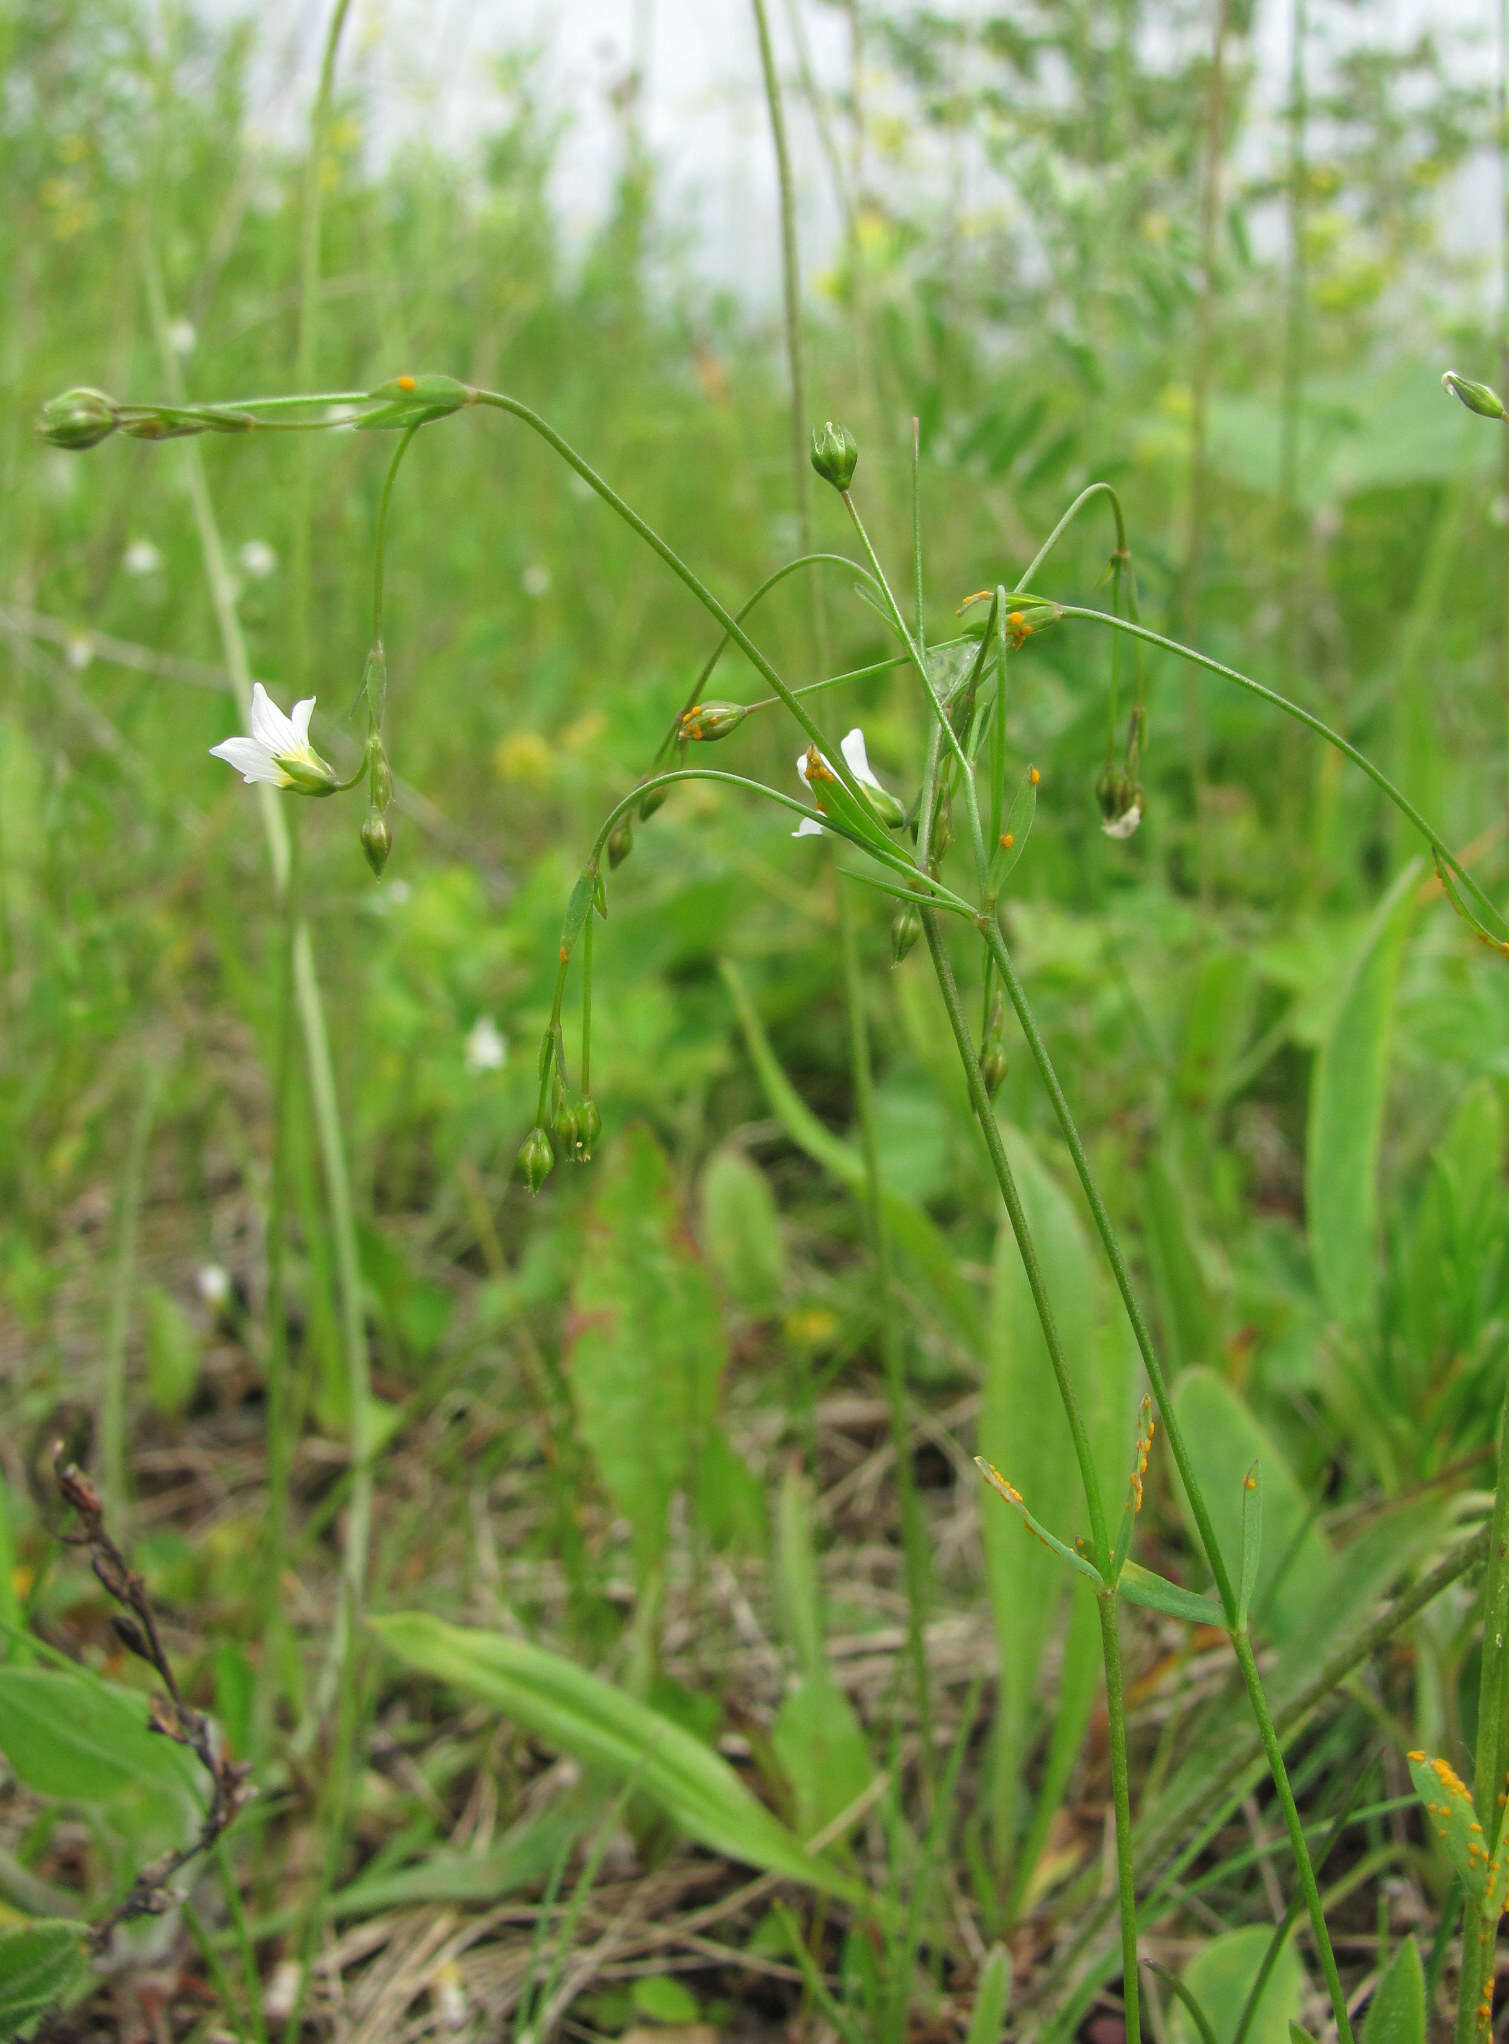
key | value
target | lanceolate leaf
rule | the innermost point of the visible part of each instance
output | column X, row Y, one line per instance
column 566, row 1707
column 40, row 1965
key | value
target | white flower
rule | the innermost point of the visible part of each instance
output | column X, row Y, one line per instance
column 141, row 558
column 278, row 750
column 214, row 1284
column 257, row 559
column 858, row 764
column 1125, row 824
column 536, row 579
column 486, row 1046
column 182, row 337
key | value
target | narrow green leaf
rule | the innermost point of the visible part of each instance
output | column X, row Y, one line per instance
column 1448, row 1804
column 583, row 1715
column 1396, row 2014
column 40, row 1966
column 822, row 1750
column 1252, row 1539
column 1016, row 828
column 1013, row 1497
column 798, row 1585
column 578, row 908
column 741, row 1230
column 987, row 2019
column 1345, row 1119
column 1157, row 1593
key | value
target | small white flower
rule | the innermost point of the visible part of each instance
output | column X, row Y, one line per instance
column 257, row 559
column 182, row 337
column 486, row 1046
column 278, row 750
column 141, row 558
column 536, row 579
column 858, row 764
column 213, row 1281
column 78, row 651
column 1125, row 824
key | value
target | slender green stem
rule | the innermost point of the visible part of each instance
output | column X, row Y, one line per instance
column 380, row 550
column 500, row 401
column 280, row 1437
column 1099, row 1537
column 1322, row 730
column 1086, row 496
column 1121, row 1799
column 1178, row 1447
column 913, row 1539
column 811, row 688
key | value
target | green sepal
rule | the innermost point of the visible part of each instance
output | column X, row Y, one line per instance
column 1451, row 887
column 1157, row 1593
column 425, row 397
column 1035, row 1527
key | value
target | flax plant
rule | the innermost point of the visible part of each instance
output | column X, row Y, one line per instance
column 902, row 848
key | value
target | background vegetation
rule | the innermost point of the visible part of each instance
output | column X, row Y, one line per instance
column 641, row 1419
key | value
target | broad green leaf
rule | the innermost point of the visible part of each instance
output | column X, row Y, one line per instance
column 40, row 1966
column 649, row 1345
column 822, row 1750
column 728, row 1497
column 583, row 1715
column 664, row 1999
column 173, row 1350
column 1345, row 1119
column 923, row 1244
column 1221, row 1976
column 1396, row 2014
column 1295, row 1574
column 75, row 1738
column 741, row 1231
column 987, row 2019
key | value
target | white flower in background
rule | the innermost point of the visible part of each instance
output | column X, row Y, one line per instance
column 257, row 559
column 78, row 651
column 213, row 1282
column 141, row 558
column 182, row 337
column 855, row 758
column 486, row 1046
column 536, row 579
column 1125, row 824
column 278, row 750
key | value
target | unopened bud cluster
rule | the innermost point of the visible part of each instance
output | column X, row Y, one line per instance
column 1476, row 396
column 835, row 454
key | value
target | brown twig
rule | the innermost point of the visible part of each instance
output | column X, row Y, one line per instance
column 135, row 1626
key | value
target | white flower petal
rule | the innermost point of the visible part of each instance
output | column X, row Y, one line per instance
column 801, row 767
column 302, row 712
column 1125, row 824
column 808, row 827
column 268, row 724
column 858, row 762
column 251, row 759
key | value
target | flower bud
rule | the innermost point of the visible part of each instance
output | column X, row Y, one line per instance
column 377, row 841
column 993, row 1064
column 650, row 801
column 620, row 843
column 379, row 775
column 566, row 1126
column 905, row 931
column 710, row 720
column 78, row 419
column 883, row 806
column 834, row 454
column 1476, row 396
column 536, row 1159
column 589, row 1128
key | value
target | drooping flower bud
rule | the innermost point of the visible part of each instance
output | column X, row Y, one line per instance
column 377, row 840
column 905, row 931
column 707, row 721
column 536, row 1159
column 620, row 843
column 1476, row 396
column 589, row 1128
column 834, row 454
column 650, row 801
column 78, row 419
column 566, row 1125
column 993, row 1063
